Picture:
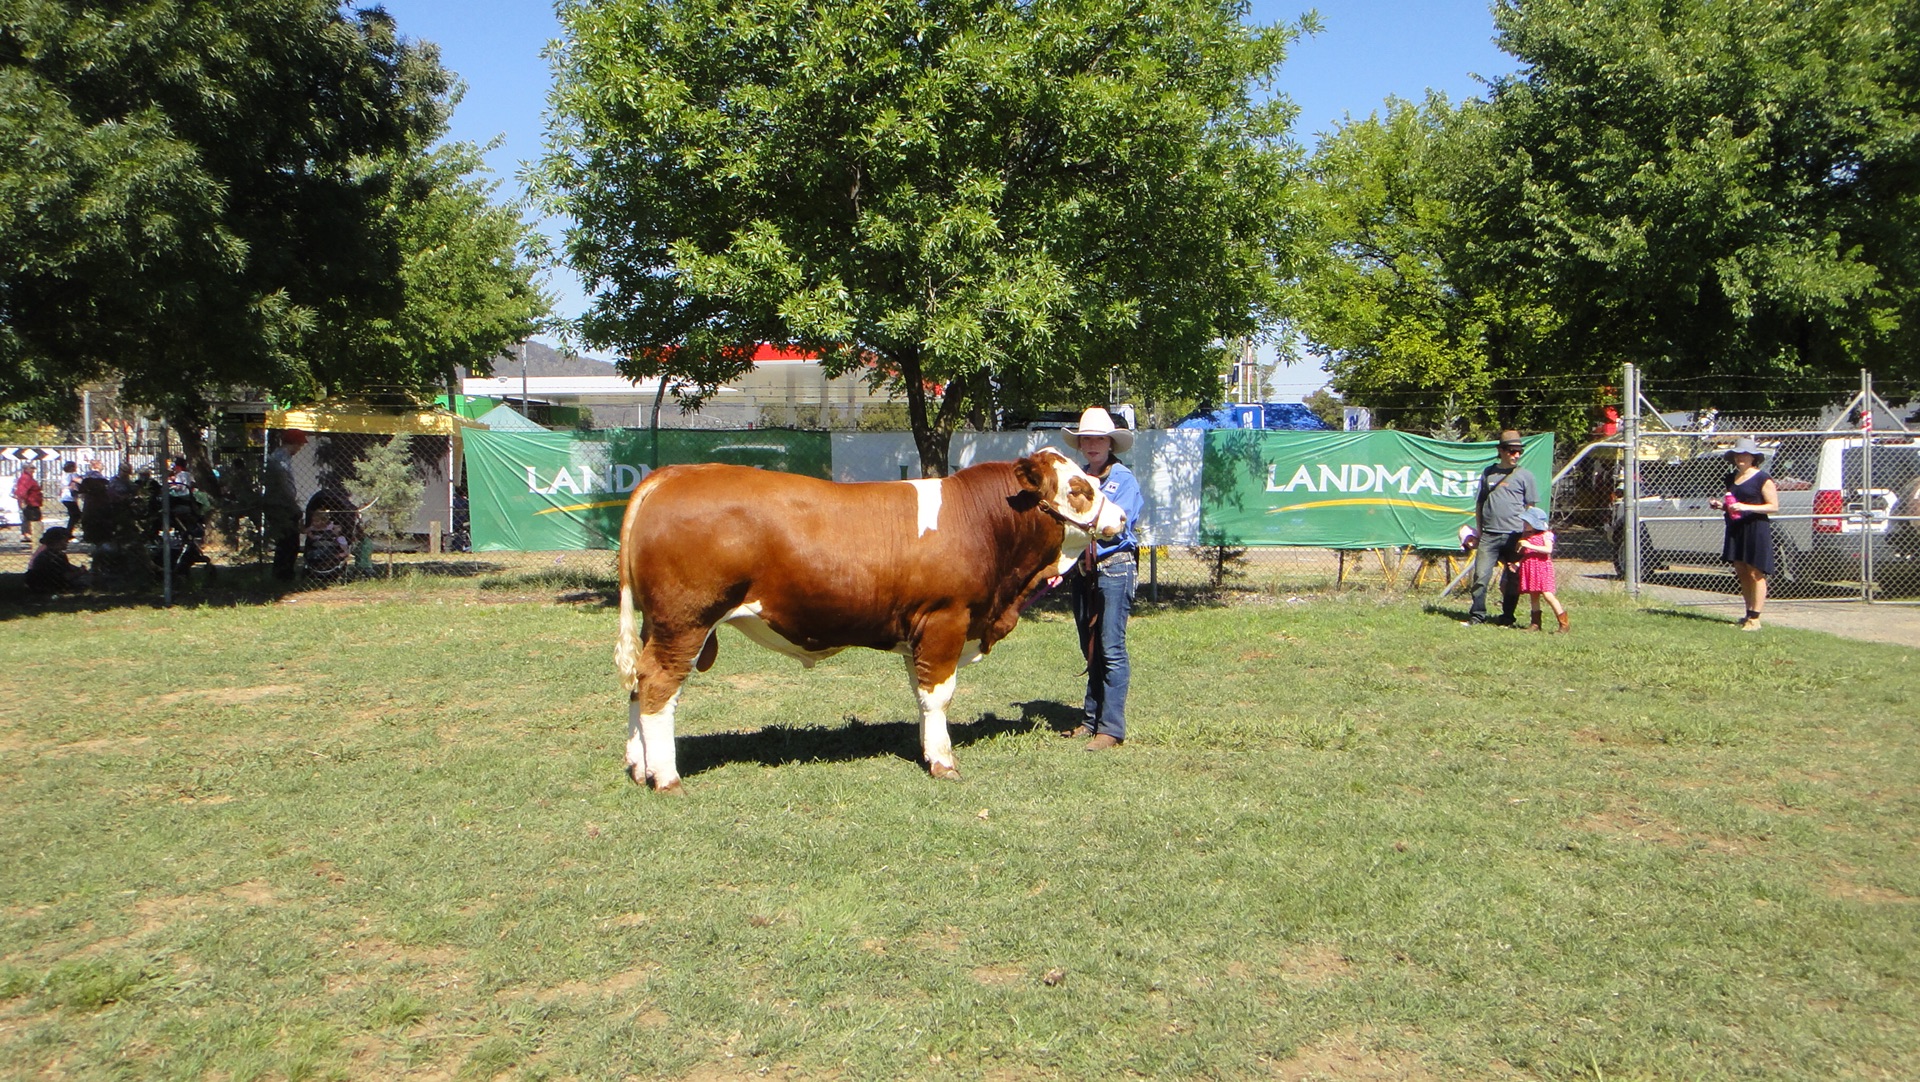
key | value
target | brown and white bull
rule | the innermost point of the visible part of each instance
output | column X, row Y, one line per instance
column 934, row 569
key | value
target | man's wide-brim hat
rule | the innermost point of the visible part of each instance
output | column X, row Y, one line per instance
column 1745, row 446
column 56, row 533
column 1098, row 422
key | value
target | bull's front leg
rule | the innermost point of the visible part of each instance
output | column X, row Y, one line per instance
column 650, row 754
column 932, row 666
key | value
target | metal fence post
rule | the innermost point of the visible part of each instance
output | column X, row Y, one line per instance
column 1866, row 486
column 1630, row 540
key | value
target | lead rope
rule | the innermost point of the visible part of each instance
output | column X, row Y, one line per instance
column 1088, row 591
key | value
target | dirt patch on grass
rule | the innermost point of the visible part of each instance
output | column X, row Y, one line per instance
column 1845, row 884
column 619, row 984
column 106, row 745
column 253, row 892
column 745, row 1068
column 1348, row 1057
column 1313, row 964
column 155, row 915
column 227, row 696
column 1593, row 738
column 948, row 940
column 999, row 976
column 1641, row 825
column 375, row 949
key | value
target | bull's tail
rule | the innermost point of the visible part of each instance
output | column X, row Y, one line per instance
column 626, row 649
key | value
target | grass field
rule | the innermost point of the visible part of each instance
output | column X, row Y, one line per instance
column 384, row 833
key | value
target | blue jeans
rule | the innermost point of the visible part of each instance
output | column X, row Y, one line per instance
column 1101, row 604
column 1494, row 547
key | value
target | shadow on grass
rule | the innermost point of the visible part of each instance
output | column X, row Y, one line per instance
column 781, row 745
column 226, row 587
column 1684, row 614
column 236, row 586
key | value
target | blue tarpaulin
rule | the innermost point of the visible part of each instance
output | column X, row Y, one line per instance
column 1273, row 416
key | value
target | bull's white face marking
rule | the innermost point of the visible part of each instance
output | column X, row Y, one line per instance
column 926, row 497
column 746, row 620
column 1081, row 504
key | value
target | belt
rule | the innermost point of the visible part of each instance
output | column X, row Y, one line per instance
column 1088, row 561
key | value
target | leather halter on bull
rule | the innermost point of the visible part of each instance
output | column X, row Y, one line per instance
column 1100, row 502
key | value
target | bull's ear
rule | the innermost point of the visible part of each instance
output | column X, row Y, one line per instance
column 1032, row 477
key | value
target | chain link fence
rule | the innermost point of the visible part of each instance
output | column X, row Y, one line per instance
column 1847, row 527
column 367, row 504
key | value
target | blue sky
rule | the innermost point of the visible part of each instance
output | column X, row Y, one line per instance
column 1366, row 51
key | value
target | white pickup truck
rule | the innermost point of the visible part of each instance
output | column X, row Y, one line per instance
column 1826, row 512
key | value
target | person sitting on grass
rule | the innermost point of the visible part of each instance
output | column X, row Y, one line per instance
column 49, row 571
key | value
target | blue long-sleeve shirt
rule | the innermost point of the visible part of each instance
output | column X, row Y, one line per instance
column 1123, row 489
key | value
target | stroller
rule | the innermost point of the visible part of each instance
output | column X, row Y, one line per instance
column 333, row 533
column 183, row 541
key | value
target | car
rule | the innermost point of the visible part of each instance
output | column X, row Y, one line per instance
column 1827, row 513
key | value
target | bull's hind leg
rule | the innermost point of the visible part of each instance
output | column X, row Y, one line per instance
column 660, row 669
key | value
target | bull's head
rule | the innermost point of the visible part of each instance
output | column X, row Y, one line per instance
column 1068, row 494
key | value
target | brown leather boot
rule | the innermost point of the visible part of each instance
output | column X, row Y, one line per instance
column 1564, row 622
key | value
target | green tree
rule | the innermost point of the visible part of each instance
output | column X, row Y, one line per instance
column 1379, row 296
column 1721, row 191
column 971, row 199
column 387, row 485
column 1331, row 410
column 202, row 194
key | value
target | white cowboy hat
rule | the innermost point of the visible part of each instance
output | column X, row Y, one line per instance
column 1098, row 422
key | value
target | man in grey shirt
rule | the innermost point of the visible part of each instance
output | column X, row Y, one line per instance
column 1505, row 492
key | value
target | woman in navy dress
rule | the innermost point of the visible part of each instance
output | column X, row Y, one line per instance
column 1751, row 497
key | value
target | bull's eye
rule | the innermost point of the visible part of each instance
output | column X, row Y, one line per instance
column 1080, row 495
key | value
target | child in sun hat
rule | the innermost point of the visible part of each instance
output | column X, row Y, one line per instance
column 49, row 571
column 1536, row 567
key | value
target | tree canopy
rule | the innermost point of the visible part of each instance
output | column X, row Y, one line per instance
column 981, row 201
column 202, row 194
column 1722, row 192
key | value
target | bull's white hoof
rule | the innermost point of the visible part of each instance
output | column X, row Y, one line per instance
column 672, row 788
column 944, row 770
column 636, row 774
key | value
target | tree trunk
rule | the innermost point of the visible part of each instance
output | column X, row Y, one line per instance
column 929, row 434
column 189, row 419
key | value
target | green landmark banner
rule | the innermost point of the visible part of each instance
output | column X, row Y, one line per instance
column 1347, row 490
column 540, row 491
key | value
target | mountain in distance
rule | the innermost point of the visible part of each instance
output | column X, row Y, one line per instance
column 544, row 360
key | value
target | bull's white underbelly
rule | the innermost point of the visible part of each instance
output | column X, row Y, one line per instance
column 746, row 620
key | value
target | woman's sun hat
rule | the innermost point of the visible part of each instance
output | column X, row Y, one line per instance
column 1098, row 422
column 1745, row 446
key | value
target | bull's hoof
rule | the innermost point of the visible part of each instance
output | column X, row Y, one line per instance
column 672, row 788
column 942, row 770
column 635, row 775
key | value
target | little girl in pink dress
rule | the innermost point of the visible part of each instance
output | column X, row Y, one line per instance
column 1536, row 567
